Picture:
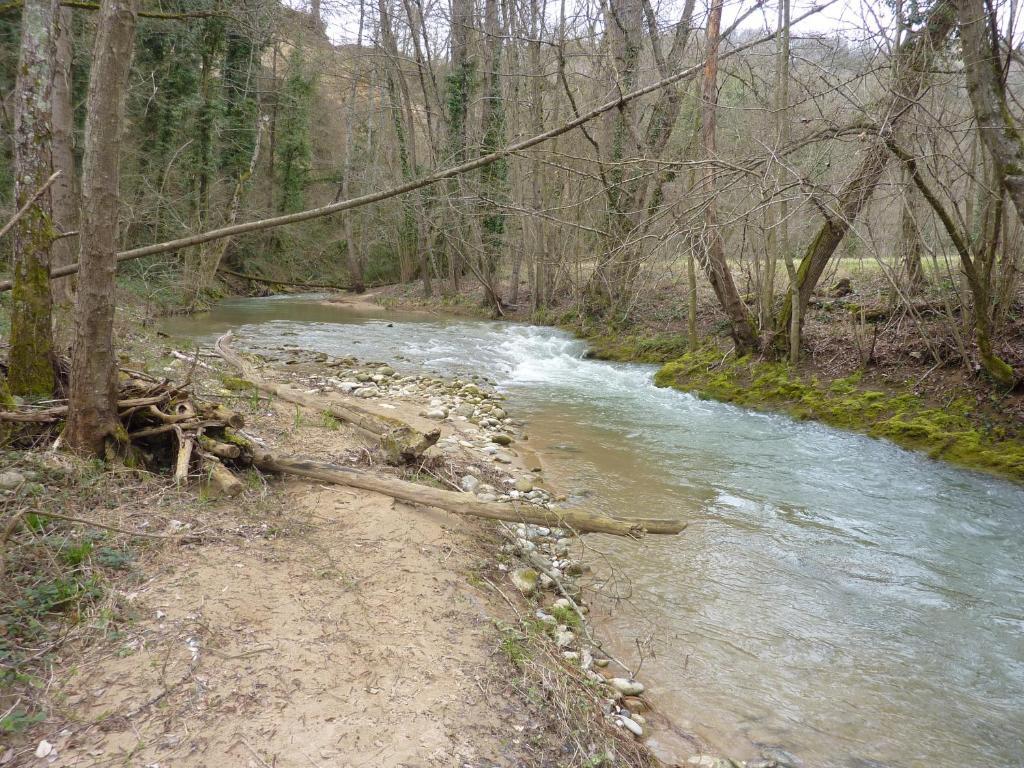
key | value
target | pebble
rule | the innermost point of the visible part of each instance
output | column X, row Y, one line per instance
column 468, row 483
column 631, row 726
column 626, row 687
column 501, row 439
column 11, row 479
column 564, row 638
column 524, row 485
column 524, row 579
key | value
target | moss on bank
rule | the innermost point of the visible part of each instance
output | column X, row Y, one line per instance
column 956, row 432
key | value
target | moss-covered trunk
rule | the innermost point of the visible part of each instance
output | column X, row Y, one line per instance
column 31, row 360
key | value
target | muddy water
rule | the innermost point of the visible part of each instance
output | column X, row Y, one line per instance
column 834, row 596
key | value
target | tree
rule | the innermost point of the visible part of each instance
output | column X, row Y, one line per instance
column 999, row 131
column 65, row 188
column 31, row 361
column 92, row 425
column 917, row 51
column 714, row 262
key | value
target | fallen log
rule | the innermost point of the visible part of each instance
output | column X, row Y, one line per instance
column 218, row 480
column 219, row 449
column 401, row 442
column 466, row 504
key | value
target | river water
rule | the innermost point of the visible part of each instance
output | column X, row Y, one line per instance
column 834, row 596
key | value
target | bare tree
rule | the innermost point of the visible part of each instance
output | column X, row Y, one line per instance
column 92, row 425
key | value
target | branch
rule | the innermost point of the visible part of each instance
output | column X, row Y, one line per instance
column 28, row 204
column 425, row 181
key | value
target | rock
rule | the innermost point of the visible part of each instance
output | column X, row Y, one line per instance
column 561, row 603
column 781, row 757
column 363, row 376
column 437, row 414
column 570, row 655
column 524, row 485
column 600, row 662
column 843, row 287
column 469, row 483
column 631, row 726
column 626, row 687
column 501, row 439
column 11, row 479
column 547, row 618
column 386, row 370
column 366, row 392
column 502, row 458
column 633, row 704
column 704, row 761
column 524, row 579
column 564, row 638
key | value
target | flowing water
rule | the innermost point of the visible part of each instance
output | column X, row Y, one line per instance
column 835, row 596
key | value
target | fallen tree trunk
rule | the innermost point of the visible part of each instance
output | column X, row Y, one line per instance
column 401, row 442
column 466, row 504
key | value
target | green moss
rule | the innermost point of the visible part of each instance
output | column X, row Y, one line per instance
column 236, row 384
column 955, row 432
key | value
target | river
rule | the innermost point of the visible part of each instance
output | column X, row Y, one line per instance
column 834, row 596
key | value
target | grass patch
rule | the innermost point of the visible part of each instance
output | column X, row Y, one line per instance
column 955, row 432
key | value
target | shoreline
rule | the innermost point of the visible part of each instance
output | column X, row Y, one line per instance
column 209, row 613
column 967, row 426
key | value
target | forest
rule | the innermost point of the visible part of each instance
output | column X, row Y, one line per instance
column 738, row 168
column 807, row 207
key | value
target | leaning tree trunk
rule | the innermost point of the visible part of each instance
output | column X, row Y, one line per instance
column 714, row 262
column 92, row 406
column 31, row 360
column 918, row 52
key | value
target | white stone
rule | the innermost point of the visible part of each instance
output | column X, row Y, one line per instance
column 626, row 687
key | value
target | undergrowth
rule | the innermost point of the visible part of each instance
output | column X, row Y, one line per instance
column 61, row 579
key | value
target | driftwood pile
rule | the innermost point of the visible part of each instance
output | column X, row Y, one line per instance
column 166, row 428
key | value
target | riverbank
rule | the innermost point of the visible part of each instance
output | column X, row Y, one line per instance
column 900, row 395
column 300, row 623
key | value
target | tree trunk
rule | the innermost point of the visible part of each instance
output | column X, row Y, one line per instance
column 714, row 262
column 65, row 189
column 910, row 236
column 353, row 250
column 467, row 504
column 999, row 131
column 917, row 53
column 92, row 406
column 31, row 360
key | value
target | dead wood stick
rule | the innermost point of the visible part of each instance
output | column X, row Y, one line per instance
column 219, row 449
column 153, row 431
column 28, row 203
column 185, row 445
column 52, row 414
column 465, row 504
column 218, row 479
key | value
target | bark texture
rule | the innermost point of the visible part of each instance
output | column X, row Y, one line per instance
column 65, row 189
column 31, row 360
column 92, row 407
column 998, row 130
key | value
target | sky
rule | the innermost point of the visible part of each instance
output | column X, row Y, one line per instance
column 853, row 19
